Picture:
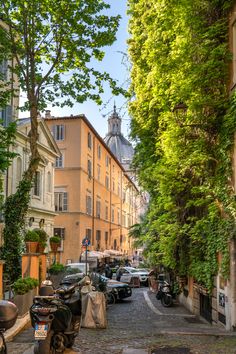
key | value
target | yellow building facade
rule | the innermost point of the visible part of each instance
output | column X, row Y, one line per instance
column 94, row 196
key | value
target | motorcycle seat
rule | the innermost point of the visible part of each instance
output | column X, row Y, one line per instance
column 64, row 290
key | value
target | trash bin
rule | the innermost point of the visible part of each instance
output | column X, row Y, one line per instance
column 94, row 310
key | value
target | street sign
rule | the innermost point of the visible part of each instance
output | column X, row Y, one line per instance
column 85, row 242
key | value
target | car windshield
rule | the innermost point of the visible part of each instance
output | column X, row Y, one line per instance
column 73, row 269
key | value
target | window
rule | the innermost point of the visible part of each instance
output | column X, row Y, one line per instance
column 112, row 215
column 89, row 205
column 107, row 161
column 18, row 170
column 89, row 169
column 58, row 132
column 98, row 172
column 106, row 212
column 3, row 69
column 99, row 151
column 89, row 234
column 98, row 209
column 59, row 232
column 118, row 218
column 6, row 116
column 49, row 182
column 106, row 237
column 59, row 161
column 60, row 200
column 98, row 239
column 89, row 141
column 123, row 219
column 113, row 186
column 37, row 184
column 107, row 182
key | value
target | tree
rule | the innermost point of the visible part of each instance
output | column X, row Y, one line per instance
column 180, row 57
column 50, row 45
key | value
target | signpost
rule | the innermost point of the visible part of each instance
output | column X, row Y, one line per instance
column 86, row 243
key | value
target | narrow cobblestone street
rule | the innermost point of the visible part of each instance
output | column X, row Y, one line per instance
column 140, row 325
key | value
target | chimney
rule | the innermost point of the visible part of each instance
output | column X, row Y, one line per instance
column 47, row 113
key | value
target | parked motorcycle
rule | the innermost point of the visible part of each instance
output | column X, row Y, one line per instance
column 8, row 316
column 164, row 294
column 55, row 317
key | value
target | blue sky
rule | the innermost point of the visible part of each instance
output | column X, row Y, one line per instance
column 112, row 63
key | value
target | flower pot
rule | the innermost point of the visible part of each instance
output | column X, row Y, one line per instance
column 54, row 246
column 31, row 247
column 41, row 248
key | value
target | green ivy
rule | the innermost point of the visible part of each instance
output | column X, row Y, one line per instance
column 179, row 54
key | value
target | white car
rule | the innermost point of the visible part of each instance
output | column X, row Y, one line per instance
column 128, row 272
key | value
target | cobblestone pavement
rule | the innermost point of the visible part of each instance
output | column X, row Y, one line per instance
column 140, row 325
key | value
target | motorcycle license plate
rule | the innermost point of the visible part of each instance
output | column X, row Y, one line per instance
column 40, row 331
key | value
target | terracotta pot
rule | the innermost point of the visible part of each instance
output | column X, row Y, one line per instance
column 41, row 248
column 54, row 246
column 31, row 247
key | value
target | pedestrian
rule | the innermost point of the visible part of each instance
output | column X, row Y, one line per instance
column 108, row 271
column 118, row 274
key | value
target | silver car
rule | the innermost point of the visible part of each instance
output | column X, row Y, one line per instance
column 127, row 273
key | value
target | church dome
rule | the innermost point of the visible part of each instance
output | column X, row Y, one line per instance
column 116, row 142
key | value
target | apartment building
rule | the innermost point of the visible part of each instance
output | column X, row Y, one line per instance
column 94, row 196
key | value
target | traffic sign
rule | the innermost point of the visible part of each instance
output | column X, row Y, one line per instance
column 86, row 242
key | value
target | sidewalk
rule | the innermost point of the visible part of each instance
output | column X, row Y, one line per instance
column 190, row 324
column 20, row 324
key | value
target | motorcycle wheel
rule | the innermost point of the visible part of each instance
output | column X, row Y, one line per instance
column 44, row 346
column 111, row 299
column 166, row 300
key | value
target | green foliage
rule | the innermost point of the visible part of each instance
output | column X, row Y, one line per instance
column 31, row 236
column 14, row 224
column 54, row 239
column 22, row 285
column 51, row 45
column 56, row 268
column 42, row 237
column 183, row 157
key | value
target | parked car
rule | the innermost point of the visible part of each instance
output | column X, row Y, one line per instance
column 80, row 266
column 127, row 273
column 118, row 289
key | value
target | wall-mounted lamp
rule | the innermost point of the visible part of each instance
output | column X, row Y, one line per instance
column 31, row 220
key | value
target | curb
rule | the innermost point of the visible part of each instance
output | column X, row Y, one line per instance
column 195, row 333
column 18, row 326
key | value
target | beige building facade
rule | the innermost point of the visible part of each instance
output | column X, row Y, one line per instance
column 94, row 197
column 41, row 211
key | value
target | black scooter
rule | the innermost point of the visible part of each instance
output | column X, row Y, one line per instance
column 164, row 294
column 55, row 317
column 8, row 316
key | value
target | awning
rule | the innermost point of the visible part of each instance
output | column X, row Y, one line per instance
column 93, row 254
column 113, row 253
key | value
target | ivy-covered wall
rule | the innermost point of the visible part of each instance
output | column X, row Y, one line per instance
column 180, row 58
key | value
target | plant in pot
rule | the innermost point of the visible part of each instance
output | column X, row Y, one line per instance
column 54, row 243
column 31, row 241
column 24, row 291
column 43, row 237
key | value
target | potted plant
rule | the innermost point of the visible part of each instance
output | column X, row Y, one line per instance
column 56, row 273
column 31, row 241
column 24, row 291
column 43, row 237
column 54, row 243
